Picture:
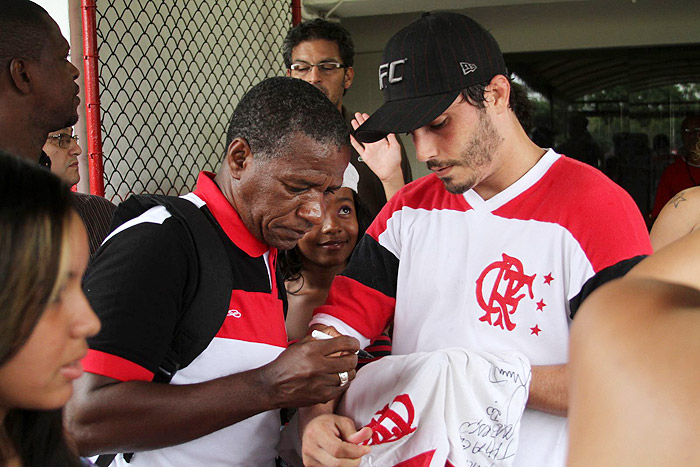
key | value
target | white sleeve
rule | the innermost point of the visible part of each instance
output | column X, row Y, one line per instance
column 340, row 326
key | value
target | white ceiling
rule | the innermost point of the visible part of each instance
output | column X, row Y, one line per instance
column 638, row 42
column 353, row 8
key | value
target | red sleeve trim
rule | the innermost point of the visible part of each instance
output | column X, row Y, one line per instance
column 109, row 365
column 364, row 309
column 424, row 193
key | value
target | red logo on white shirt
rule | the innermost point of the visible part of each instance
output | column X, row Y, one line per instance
column 393, row 422
column 508, row 279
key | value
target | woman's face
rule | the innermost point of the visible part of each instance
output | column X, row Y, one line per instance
column 330, row 243
column 40, row 376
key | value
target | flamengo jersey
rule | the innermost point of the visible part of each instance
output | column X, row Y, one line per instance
column 140, row 281
column 489, row 275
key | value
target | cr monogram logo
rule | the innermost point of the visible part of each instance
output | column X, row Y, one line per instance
column 502, row 301
column 393, row 421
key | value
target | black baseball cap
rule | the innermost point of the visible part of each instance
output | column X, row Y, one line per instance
column 424, row 68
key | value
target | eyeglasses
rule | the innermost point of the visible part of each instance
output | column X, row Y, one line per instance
column 323, row 67
column 691, row 130
column 64, row 140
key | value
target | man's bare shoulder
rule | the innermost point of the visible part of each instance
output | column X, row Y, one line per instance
column 634, row 345
column 679, row 217
column 677, row 262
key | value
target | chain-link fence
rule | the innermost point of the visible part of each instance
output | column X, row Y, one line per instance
column 171, row 74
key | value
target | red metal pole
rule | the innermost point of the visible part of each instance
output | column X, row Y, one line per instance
column 92, row 98
column 296, row 12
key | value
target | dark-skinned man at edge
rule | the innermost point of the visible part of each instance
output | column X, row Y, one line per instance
column 38, row 92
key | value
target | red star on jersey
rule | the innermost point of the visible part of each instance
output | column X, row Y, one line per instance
column 536, row 330
column 540, row 305
column 548, row 278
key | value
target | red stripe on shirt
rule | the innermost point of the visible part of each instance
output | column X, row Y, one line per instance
column 425, row 193
column 348, row 294
column 620, row 235
column 105, row 364
column 255, row 317
column 227, row 216
column 421, row 460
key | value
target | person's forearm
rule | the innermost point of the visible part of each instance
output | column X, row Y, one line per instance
column 106, row 415
column 393, row 184
column 136, row 416
column 306, row 414
column 549, row 389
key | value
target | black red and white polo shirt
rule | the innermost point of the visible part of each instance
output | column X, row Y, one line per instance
column 138, row 284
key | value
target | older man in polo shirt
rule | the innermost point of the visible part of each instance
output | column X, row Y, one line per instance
column 287, row 148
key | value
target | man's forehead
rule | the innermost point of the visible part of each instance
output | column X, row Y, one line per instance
column 54, row 38
column 307, row 176
column 314, row 167
column 692, row 122
column 316, row 46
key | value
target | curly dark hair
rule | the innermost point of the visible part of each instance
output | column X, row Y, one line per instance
column 518, row 101
column 319, row 29
column 289, row 261
column 277, row 109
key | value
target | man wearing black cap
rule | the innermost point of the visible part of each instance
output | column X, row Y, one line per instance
column 492, row 253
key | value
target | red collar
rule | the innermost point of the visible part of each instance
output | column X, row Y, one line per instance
column 227, row 217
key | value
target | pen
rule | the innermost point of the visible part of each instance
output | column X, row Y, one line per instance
column 316, row 334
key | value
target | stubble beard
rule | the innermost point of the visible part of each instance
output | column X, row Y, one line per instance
column 476, row 154
column 336, row 102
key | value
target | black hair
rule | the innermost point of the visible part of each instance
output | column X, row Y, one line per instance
column 319, row 29
column 277, row 108
column 518, row 100
column 660, row 141
column 688, row 117
column 289, row 261
column 35, row 211
column 23, row 26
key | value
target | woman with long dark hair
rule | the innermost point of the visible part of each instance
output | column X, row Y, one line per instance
column 44, row 316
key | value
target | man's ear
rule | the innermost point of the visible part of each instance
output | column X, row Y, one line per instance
column 238, row 157
column 20, row 75
column 349, row 75
column 289, row 73
column 498, row 93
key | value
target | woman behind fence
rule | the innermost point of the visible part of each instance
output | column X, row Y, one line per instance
column 44, row 316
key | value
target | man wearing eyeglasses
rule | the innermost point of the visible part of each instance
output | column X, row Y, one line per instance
column 63, row 150
column 321, row 53
column 38, row 92
column 685, row 171
column 96, row 212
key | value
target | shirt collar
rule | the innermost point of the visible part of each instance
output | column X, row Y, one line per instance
column 227, row 217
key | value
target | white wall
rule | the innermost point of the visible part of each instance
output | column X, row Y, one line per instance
column 58, row 10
